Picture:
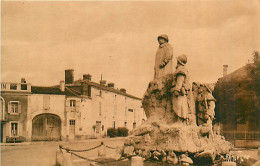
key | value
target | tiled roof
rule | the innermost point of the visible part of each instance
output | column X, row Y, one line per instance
column 46, row 90
column 71, row 92
column 103, row 87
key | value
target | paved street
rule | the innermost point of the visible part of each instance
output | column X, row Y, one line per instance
column 44, row 153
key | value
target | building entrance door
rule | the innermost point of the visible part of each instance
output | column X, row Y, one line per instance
column 98, row 129
column 46, row 127
column 72, row 130
column 2, row 132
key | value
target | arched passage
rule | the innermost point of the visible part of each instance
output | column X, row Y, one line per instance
column 46, row 127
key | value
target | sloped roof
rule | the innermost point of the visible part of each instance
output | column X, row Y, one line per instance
column 106, row 88
column 46, row 90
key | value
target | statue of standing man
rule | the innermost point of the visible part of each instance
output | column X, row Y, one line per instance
column 163, row 59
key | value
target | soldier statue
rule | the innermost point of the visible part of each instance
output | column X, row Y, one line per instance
column 182, row 100
column 195, row 90
column 163, row 59
column 206, row 106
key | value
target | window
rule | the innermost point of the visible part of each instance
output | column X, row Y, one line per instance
column 2, row 102
column 98, row 126
column 134, row 125
column 89, row 91
column 131, row 110
column 3, row 86
column 125, row 106
column 125, row 111
column 13, row 86
column 14, row 129
column 23, row 86
column 72, row 127
column 114, row 124
column 14, row 107
column 72, row 105
column 72, row 122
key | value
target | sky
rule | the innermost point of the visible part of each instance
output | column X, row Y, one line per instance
column 39, row 40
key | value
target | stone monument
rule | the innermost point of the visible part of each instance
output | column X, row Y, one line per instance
column 178, row 129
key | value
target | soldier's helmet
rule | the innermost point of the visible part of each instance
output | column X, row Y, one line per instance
column 209, row 87
column 165, row 37
column 182, row 59
column 196, row 83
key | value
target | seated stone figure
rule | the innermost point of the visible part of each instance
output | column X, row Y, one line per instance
column 182, row 101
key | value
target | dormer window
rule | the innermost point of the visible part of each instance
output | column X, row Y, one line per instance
column 13, row 86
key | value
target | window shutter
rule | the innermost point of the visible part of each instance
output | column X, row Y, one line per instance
column 9, row 107
column 67, row 105
column 19, row 107
column 77, row 105
column 46, row 102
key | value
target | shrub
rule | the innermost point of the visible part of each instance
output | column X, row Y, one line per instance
column 122, row 131
column 111, row 132
column 15, row 139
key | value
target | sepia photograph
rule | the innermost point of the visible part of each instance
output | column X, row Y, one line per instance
column 130, row 83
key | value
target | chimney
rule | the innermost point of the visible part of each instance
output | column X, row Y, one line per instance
column 225, row 67
column 23, row 81
column 87, row 77
column 123, row 90
column 62, row 86
column 103, row 82
column 69, row 76
column 111, row 85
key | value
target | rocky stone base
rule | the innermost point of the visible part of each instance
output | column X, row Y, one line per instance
column 175, row 143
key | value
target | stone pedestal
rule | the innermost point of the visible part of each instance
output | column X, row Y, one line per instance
column 229, row 163
column 163, row 134
column 137, row 161
column 59, row 157
column 67, row 160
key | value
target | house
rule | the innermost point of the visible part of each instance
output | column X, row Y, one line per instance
column 14, row 105
column 45, row 119
column 31, row 113
column 78, row 109
column 92, row 108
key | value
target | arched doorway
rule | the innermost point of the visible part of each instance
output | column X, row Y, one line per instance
column 46, row 127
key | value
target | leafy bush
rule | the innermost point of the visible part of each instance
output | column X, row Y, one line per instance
column 111, row 132
column 15, row 139
column 122, row 131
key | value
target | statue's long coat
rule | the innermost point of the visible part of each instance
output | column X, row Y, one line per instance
column 164, row 52
column 183, row 105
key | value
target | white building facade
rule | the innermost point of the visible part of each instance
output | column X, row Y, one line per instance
column 93, row 108
column 72, row 110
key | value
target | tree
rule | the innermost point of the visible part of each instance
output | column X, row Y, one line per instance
column 238, row 96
